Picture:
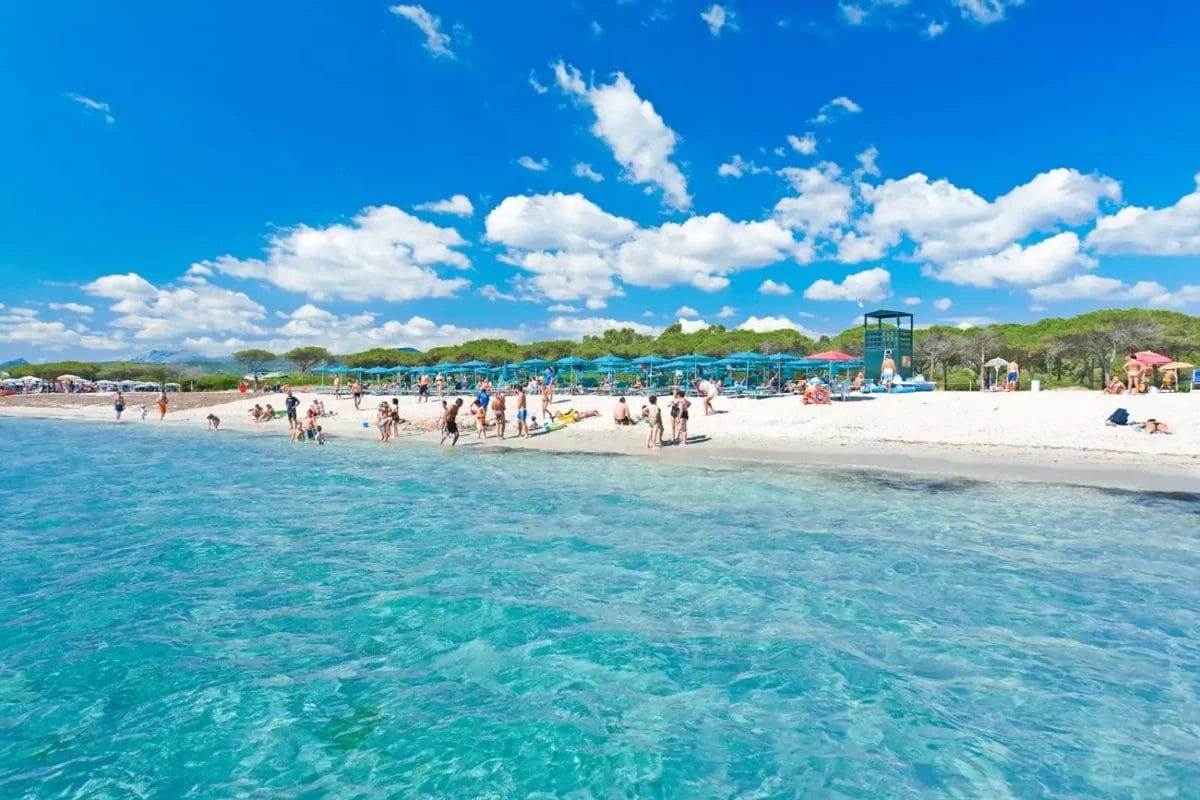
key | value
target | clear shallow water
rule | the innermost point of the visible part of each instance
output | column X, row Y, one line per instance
column 186, row 615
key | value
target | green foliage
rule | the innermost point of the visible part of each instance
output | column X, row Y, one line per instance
column 305, row 358
column 253, row 359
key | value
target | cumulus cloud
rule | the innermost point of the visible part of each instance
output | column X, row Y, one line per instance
column 736, row 167
column 310, row 324
column 869, row 285
column 985, row 12
column 1042, row 262
column 770, row 287
column 686, row 311
column 490, row 292
column 562, row 308
column 912, row 301
column 94, row 106
column 805, row 145
column 943, row 303
column 164, row 314
column 436, row 41
column 717, row 17
column 535, row 165
column 824, row 201
column 835, row 106
column 459, row 205
column 936, row 29
column 578, row 327
column 692, row 325
column 1095, row 287
column 575, row 250
column 23, row 326
column 726, row 312
column 583, row 170
column 770, row 324
column 866, row 163
column 639, row 139
column 948, row 223
column 75, row 308
column 383, row 253
column 1170, row 231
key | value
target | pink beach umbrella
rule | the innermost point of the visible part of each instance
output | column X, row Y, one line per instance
column 1151, row 358
column 831, row 355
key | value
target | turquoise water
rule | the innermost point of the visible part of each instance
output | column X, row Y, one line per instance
column 194, row 615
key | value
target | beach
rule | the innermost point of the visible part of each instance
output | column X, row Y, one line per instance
column 1050, row 436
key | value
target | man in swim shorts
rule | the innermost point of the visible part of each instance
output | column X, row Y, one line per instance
column 291, row 404
column 450, row 422
column 622, row 415
column 356, row 392
column 522, row 413
column 423, row 388
column 1014, row 377
column 887, row 372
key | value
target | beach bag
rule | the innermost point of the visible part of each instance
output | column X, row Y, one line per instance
column 1119, row 417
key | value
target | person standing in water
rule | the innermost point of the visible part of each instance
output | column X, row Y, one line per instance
column 679, row 413
column 450, row 422
column 162, row 404
column 119, row 404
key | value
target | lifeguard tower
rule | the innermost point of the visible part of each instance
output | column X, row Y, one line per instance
column 888, row 333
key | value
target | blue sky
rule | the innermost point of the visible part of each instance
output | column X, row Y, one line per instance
column 212, row 176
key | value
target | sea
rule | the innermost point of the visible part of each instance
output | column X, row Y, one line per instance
column 196, row 615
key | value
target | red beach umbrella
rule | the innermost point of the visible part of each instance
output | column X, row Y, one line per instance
column 1151, row 358
column 831, row 355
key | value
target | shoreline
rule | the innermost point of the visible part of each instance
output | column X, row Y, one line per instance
column 1094, row 467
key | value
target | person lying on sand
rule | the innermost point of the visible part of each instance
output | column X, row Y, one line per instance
column 1153, row 426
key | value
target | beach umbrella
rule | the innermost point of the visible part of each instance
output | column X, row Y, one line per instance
column 574, row 364
column 69, row 377
column 831, row 355
column 1177, row 365
column 534, row 363
column 1152, row 359
column 476, row 364
column 650, row 361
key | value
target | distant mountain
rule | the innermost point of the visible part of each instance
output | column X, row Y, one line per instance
column 167, row 357
column 16, row 362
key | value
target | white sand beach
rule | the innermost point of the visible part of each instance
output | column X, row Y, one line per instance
column 1054, row 436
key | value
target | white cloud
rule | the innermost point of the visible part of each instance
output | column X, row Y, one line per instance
column 576, row 250
column 1042, row 262
column 686, row 311
column 563, row 308
column 75, row 308
column 866, row 161
column 985, row 12
column 459, row 205
column 436, row 42
column 717, row 17
column 94, row 106
column 737, row 167
column 583, row 170
column 843, row 103
column 948, row 223
column 30, row 331
column 805, row 145
column 726, row 312
column 1095, row 287
column 1170, row 231
column 490, row 292
column 770, row 287
column 165, row 314
column 936, row 29
column 912, row 301
column 639, row 139
column 869, row 285
column 824, row 201
column 854, row 14
column 384, row 252
column 943, row 303
column 578, row 327
column 309, row 324
column 963, row 323
column 537, row 85
column 770, row 324
column 536, row 165
column 596, row 28
column 692, row 325
column 555, row 222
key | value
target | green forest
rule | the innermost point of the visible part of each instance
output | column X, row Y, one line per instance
column 1071, row 351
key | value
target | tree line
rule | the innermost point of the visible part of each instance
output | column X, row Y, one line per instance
column 1080, row 351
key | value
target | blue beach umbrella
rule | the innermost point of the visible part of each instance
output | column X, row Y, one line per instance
column 533, row 363
column 573, row 363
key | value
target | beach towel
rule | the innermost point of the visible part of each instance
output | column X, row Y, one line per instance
column 1118, row 417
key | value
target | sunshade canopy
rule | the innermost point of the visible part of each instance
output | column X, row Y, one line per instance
column 996, row 362
column 1150, row 358
column 831, row 355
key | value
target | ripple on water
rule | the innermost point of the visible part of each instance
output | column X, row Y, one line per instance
column 225, row 616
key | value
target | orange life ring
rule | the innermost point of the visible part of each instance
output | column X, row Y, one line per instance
column 820, row 395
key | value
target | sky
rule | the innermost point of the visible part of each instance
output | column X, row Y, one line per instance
column 212, row 176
